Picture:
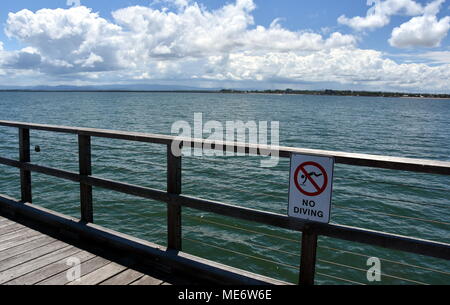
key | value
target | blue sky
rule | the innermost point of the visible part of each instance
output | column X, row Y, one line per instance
column 347, row 44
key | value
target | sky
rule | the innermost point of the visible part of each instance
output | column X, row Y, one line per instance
column 388, row 45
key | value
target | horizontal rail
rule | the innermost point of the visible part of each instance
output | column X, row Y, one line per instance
column 365, row 236
column 101, row 133
column 376, row 161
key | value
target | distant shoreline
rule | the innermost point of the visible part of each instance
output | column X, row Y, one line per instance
column 274, row 92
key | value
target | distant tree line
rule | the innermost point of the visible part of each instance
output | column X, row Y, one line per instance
column 340, row 93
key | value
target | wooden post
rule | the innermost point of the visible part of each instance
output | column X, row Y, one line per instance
column 308, row 257
column 84, row 155
column 24, row 156
column 173, row 209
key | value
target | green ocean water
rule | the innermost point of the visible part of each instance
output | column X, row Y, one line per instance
column 391, row 201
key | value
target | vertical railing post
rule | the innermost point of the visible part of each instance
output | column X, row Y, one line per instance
column 308, row 257
column 84, row 156
column 173, row 208
column 24, row 156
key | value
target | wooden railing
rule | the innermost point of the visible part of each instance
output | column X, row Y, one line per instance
column 175, row 200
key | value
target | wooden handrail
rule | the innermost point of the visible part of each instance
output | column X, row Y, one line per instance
column 375, row 161
column 175, row 200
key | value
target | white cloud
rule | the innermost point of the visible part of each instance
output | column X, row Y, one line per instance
column 197, row 32
column 340, row 65
column 276, row 38
column 2, row 56
column 2, row 53
column 380, row 13
column 180, row 4
column 422, row 31
column 77, row 39
column 68, row 38
column 73, row 3
column 190, row 32
column 436, row 57
column 27, row 58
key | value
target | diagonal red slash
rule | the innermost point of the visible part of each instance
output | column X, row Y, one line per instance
column 318, row 188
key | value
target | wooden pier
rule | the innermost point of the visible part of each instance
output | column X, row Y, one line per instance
column 36, row 243
column 129, row 260
column 29, row 257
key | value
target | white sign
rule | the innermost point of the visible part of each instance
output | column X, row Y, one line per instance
column 310, row 187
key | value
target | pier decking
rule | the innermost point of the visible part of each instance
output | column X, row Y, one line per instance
column 29, row 257
column 36, row 244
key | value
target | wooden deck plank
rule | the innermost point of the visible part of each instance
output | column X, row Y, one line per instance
column 99, row 275
column 19, row 240
column 86, row 268
column 30, row 255
column 42, row 240
column 4, row 220
column 17, row 233
column 39, row 262
column 147, row 280
column 50, row 270
column 124, row 278
column 10, row 228
column 6, row 223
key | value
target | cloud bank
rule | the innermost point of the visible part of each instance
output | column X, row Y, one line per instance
column 194, row 43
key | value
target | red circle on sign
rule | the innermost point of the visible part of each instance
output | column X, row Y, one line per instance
column 319, row 190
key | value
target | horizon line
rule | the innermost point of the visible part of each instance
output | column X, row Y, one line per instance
column 341, row 92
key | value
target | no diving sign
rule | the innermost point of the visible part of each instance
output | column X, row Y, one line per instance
column 310, row 187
